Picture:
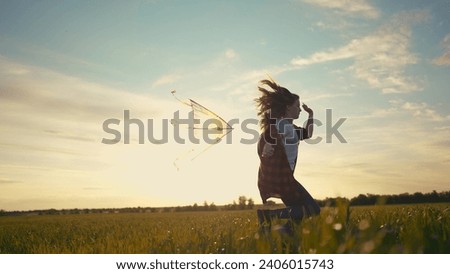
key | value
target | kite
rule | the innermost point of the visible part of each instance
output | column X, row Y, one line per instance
column 212, row 123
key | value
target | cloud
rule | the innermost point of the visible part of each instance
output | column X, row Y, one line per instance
column 328, row 96
column 230, row 54
column 444, row 59
column 8, row 181
column 48, row 93
column 379, row 58
column 400, row 109
column 421, row 110
column 349, row 7
column 52, row 128
column 326, row 56
column 227, row 59
column 47, row 115
column 333, row 24
column 408, row 138
column 166, row 79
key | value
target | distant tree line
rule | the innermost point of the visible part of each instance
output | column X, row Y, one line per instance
column 53, row 211
column 404, row 198
column 194, row 207
column 244, row 203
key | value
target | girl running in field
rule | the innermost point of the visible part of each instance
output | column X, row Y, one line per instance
column 278, row 150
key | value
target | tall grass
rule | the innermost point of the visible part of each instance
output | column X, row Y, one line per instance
column 341, row 229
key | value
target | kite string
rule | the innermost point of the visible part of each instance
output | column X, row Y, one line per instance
column 179, row 100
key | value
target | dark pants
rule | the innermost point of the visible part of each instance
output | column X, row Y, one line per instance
column 296, row 208
column 306, row 203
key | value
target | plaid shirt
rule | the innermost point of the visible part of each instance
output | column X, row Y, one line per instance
column 275, row 176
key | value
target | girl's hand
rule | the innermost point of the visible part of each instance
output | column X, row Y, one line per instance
column 307, row 109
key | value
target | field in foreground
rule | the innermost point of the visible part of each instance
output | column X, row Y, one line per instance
column 371, row 229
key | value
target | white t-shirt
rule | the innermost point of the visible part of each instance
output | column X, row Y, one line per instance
column 286, row 128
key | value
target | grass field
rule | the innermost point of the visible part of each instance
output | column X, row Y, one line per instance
column 342, row 229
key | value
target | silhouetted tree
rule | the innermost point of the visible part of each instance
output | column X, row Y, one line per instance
column 242, row 202
column 213, row 207
column 270, row 203
column 205, row 206
column 250, row 203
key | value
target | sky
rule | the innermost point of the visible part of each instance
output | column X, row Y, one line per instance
column 375, row 72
